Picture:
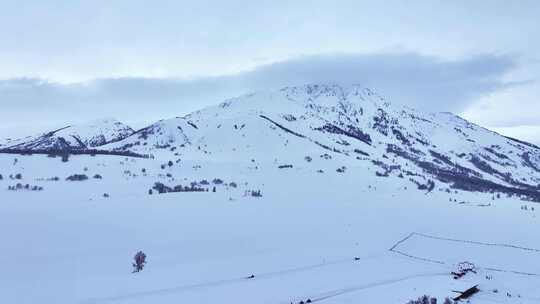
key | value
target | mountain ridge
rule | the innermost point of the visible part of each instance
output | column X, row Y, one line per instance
column 345, row 126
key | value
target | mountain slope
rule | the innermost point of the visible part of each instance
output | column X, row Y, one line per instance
column 346, row 126
column 76, row 137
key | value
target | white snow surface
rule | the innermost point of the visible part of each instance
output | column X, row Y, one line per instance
column 83, row 136
column 332, row 236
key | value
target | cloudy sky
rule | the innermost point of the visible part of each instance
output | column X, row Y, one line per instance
column 66, row 62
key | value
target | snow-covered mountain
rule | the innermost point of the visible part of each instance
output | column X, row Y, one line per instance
column 346, row 125
column 310, row 194
column 342, row 125
column 73, row 137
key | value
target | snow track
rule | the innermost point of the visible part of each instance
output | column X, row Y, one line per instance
column 441, row 250
column 216, row 283
column 337, row 292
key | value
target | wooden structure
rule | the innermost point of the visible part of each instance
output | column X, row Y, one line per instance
column 467, row 293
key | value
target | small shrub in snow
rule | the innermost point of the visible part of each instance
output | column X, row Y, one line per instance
column 217, row 181
column 233, row 185
column 77, row 177
column 326, row 156
column 139, row 261
column 308, row 158
column 204, row 182
column 170, row 163
column 342, row 169
column 285, row 166
column 65, row 158
column 97, row 176
column 105, row 195
column 18, row 176
column 256, row 193
column 1, row 177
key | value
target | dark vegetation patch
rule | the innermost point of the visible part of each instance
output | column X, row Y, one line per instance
column 62, row 153
column 497, row 161
column 285, row 166
column 443, row 158
column 498, row 154
column 282, row 127
column 255, row 193
column 528, row 162
column 386, row 169
column 351, row 131
column 466, row 179
column 361, row 152
column 341, row 169
column 429, row 185
column 289, row 117
column 402, row 138
column 77, row 177
column 27, row 187
column 381, row 121
column 162, row 188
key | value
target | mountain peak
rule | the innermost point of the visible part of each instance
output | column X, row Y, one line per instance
column 72, row 137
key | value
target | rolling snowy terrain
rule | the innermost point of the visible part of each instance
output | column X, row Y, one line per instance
column 319, row 192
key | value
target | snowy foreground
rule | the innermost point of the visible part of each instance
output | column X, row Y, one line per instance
column 69, row 244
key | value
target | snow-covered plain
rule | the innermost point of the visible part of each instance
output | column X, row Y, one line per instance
column 316, row 233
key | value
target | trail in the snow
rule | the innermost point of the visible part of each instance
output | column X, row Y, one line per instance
column 405, row 254
column 337, row 292
column 265, row 275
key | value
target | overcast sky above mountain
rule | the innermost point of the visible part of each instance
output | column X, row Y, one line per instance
column 139, row 61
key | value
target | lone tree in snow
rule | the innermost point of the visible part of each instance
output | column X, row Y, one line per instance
column 140, row 261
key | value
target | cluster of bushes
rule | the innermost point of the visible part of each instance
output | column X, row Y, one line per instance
column 381, row 174
column 162, row 188
column 429, row 300
column 11, row 176
column 20, row 186
column 202, row 186
column 524, row 207
column 326, row 156
column 49, row 179
column 253, row 193
column 77, row 177
column 429, row 186
column 168, row 164
column 65, row 153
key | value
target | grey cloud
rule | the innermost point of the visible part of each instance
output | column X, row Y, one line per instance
column 426, row 83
